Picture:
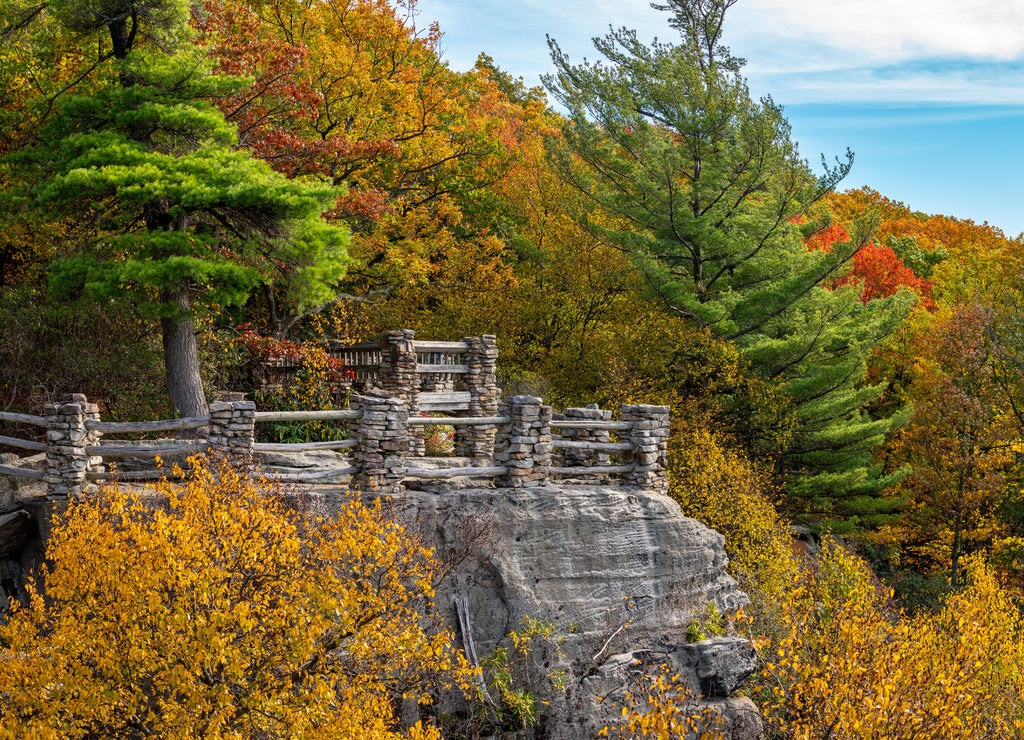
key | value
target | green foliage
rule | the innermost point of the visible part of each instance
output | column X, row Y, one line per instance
column 216, row 220
column 514, row 673
column 705, row 185
column 921, row 260
column 707, row 626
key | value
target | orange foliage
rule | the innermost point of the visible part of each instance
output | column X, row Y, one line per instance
column 882, row 274
column 878, row 269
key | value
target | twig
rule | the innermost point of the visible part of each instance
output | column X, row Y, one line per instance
column 608, row 641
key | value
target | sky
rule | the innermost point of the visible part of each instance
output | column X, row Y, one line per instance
column 928, row 94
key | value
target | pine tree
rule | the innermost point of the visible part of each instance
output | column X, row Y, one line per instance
column 184, row 221
column 708, row 189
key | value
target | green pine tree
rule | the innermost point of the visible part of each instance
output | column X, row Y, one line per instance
column 708, row 187
column 185, row 222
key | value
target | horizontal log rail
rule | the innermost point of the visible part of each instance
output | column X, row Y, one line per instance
column 17, row 472
column 351, row 414
column 443, row 369
column 158, row 450
column 39, row 421
column 310, row 476
column 566, row 444
column 460, row 420
column 592, row 470
column 454, row 348
column 337, row 444
column 24, row 444
column 455, row 472
column 162, row 425
column 614, row 426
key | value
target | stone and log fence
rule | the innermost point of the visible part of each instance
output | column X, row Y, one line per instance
column 517, row 442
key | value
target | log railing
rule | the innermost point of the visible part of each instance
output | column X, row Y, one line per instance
column 382, row 443
column 24, row 444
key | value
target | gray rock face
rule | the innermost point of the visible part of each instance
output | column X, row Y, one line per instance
column 708, row 670
column 721, row 665
column 616, row 571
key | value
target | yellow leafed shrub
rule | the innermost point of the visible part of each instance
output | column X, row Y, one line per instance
column 849, row 668
column 717, row 485
column 216, row 610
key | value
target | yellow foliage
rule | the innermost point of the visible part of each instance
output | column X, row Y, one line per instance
column 720, row 487
column 216, row 610
column 659, row 705
column 849, row 669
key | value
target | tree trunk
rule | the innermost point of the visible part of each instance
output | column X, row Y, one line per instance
column 954, row 568
column 181, row 358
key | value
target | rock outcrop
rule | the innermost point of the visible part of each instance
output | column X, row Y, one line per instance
column 621, row 574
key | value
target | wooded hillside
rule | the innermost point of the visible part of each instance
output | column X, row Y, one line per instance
column 189, row 190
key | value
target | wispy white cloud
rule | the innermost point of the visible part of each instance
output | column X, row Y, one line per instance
column 889, row 30
column 937, row 51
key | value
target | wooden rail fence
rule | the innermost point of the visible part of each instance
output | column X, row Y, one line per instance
column 382, row 443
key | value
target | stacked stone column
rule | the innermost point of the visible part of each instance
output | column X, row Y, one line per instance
column 383, row 435
column 481, row 381
column 649, row 437
column 524, row 445
column 400, row 376
column 67, row 438
column 232, row 424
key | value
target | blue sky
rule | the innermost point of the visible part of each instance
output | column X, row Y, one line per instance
column 929, row 94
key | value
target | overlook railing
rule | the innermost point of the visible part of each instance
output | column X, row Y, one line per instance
column 516, row 446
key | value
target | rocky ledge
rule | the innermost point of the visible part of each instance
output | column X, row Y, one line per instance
column 621, row 574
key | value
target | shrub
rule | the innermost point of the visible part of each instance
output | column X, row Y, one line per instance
column 216, row 610
column 848, row 668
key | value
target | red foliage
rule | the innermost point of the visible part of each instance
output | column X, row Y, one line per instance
column 878, row 269
column 882, row 273
column 824, row 239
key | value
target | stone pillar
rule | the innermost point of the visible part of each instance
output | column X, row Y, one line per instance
column 524, row 445
column 399, row 375
column 67, row 438
column 383, row 436
column 481, row 381
column 586, row 458
column 232, row 424
column 649, row 437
